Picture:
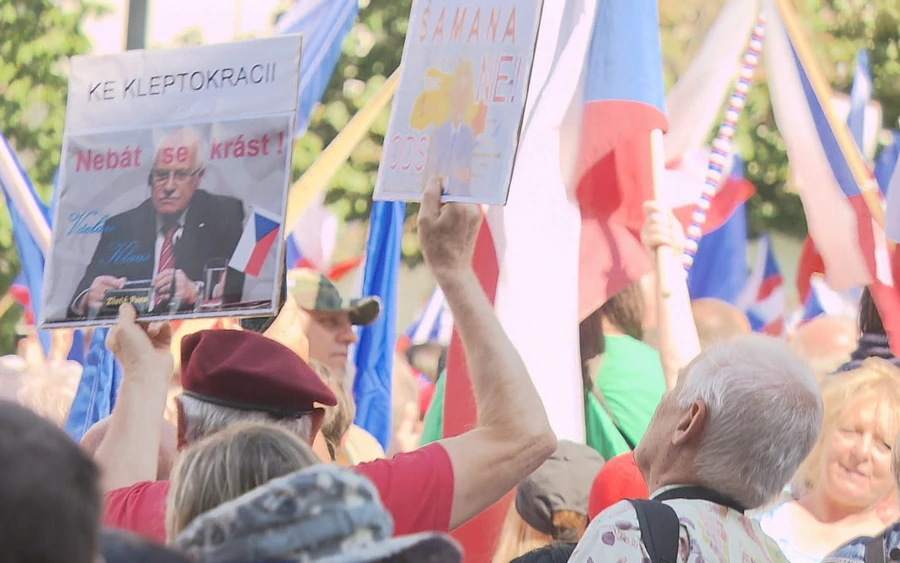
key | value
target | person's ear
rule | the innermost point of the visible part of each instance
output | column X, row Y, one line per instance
column 317, row 417
column 691, row 424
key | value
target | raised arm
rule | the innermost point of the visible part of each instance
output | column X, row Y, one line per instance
column 129, row 452
column 678, row 340
column 513, row 435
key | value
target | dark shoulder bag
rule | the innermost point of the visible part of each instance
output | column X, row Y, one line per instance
column 660, row 528
column 875, row 548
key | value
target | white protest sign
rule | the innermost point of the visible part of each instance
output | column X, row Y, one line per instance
column 170, row 159
column 458, row 108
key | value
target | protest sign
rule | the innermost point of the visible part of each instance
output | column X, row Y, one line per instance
column 458, row 109
column 173, row 183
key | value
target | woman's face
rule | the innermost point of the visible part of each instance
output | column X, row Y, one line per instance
column 857, row 455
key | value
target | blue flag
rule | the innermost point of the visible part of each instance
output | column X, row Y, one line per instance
column 887, row 162
column 860, row 95
column 324, row 24
column 375, row 350
column 30, row 255
column 96, row 393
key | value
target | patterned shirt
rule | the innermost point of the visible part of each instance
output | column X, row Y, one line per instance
column 709, row 532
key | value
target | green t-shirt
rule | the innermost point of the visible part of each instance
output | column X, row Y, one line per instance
column 631, row 381
column 433, row 425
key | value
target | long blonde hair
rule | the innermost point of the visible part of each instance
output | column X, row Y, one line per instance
column 876, row 383
column 517, row 538
column 228, row 464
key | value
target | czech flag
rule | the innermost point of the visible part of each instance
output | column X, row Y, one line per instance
column 260, row 234
column 434, row 323
column 624, row 101
column 719, row 270
column 763, row 297
column 840, row 195
column 822, row 300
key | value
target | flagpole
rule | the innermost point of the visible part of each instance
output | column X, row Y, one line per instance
column 663, row 253
column 317, row 176
column 721, row 147
column 868, row 187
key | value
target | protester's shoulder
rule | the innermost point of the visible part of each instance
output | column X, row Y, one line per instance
column 854, row 551
column 432, row 457
column 624, row 344
column 144, row 489
column 615, row 531
column 361, row 446
column 627, row 353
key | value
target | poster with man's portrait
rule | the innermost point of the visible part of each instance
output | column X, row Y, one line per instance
column 177, row 212
column 458, row 109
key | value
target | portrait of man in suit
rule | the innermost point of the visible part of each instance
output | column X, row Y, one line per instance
column 167, row 242
column 453, row 143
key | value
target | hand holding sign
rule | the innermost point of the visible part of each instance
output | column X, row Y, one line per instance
column 141, row 349
column 447, row 231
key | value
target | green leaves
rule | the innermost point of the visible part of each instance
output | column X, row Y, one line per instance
column 36, row 37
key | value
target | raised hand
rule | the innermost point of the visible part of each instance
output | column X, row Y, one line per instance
column 447, row 231
column 141, row 348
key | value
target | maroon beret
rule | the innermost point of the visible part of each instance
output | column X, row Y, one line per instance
column 247, row 371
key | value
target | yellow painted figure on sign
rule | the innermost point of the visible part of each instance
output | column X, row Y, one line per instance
column 456, row 121
column 432, row 106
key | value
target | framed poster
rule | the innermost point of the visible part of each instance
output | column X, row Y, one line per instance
column 173, row 183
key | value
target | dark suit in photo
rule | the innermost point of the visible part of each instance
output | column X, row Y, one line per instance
column 213, row 225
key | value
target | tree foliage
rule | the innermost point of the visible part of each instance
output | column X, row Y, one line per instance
column 36, row 37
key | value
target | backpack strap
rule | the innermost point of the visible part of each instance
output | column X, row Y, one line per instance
column 602, row 401
column 659, row 530
column 875, row 549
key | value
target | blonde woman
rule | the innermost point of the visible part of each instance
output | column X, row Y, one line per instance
column 228, row 464
column 551, row 504
column 840, row 487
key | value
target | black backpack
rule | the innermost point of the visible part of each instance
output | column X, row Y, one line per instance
column 660, row 528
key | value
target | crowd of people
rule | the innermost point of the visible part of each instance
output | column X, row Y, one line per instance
column 703, row 442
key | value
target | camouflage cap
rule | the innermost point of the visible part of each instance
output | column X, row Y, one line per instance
column 315, row 292
column 323, row 513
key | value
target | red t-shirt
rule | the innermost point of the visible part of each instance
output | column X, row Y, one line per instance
column 416, row 489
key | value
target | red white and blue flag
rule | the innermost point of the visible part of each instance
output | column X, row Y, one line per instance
column 719, row 269
column 763, row 297
column 312, row 241
column 838, row 190
column 433, row 324
column 822, row 300
column 624, row 100
column 260, row 233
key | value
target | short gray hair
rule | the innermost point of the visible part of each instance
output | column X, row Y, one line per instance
column 200, row 419
column 764, row 416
